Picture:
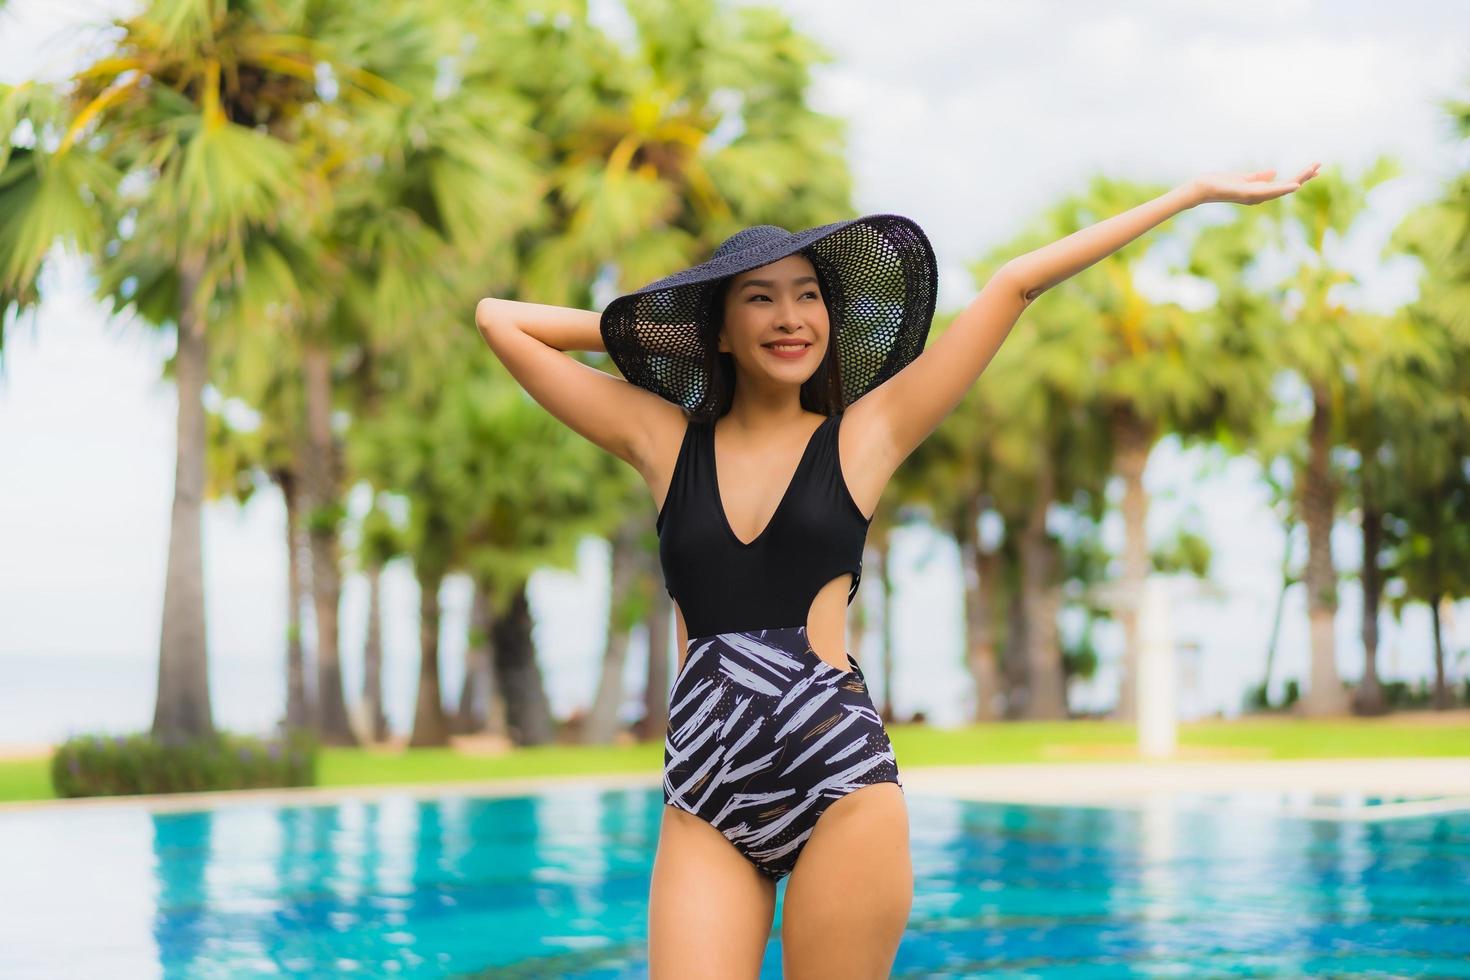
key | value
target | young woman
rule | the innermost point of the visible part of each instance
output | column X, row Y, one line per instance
column 771, row 393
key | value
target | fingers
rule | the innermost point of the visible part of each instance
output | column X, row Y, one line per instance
column 1258, row 186
column 1286, row 187
column 1269, row 192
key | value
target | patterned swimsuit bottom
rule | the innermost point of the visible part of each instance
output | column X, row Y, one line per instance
column 764, row 735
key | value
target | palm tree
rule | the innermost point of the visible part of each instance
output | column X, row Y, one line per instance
column 952, row 477
column 650, row 175
column 259, row 371
column 1398, row 378
column 1427, row 499
column 496, row 488
column 1429, row 543
column 430, row 192
column 412, row 452
column 519, row 526
column 481, row 706
column 380, row 542
column 659, row 625
column 180, row 151
column 1278, row 447
column 631, row 591
column 236, row 458
column 1068, row 459
column 1316, row 343
column 1161, row 369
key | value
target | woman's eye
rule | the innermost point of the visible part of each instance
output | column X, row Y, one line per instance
column 809, row 292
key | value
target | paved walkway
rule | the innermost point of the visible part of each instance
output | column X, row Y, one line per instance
column 1093, row 783
column 1125, row 782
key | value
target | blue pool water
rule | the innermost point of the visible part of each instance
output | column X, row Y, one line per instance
column 557, row 885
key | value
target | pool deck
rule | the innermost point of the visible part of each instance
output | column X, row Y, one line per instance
column 1126, row 784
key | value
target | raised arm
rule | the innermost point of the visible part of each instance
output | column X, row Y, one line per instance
column 901, row 413
column 530, row 339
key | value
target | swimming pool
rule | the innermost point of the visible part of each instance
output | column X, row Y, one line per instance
column 556, row 884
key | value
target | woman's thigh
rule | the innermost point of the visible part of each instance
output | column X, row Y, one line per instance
column 848, row 897
column 709, row 909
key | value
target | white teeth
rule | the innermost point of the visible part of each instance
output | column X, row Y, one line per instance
column 786, row 346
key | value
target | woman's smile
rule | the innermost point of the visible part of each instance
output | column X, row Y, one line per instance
column 788, row 351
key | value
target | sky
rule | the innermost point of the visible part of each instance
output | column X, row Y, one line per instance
column 967, row 117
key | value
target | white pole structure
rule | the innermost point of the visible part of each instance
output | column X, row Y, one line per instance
column 1157, row 689
column 1155, row 681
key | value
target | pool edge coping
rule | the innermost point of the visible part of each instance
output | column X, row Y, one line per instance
column 1109, row 784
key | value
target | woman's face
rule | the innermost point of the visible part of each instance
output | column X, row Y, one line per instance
column 776, row 323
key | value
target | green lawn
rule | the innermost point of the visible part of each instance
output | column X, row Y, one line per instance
column 1418, row 734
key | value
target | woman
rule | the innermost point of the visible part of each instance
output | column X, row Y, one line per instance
column 771, row 393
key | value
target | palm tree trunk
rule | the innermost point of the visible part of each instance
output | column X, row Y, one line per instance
column 1047, row 693
column 528, row 711
column 1324, row 695
column 979, row 623
column 298, row 705
column 1369, row 699
column 497, row 714
column 492, row 719
column 1274, row 638
column 601, row 723
column 890, row 639
column 655, row 721
column 1133, row 441
column 430, row 727
column 1442, row 699
column 326, row 588
column 1015, row 671
column 472, row 711
column 182, row 709
column 372, row 659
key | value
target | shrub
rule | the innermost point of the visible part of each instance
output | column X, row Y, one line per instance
column 118, row 765
column 1400, row 694
column 1257, row 698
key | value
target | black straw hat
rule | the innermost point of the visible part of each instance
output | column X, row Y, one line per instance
column 878, row 276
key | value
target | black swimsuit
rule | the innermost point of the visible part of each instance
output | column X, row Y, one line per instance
column 764, row 734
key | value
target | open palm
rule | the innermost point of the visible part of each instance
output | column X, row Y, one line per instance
column 1252, row 188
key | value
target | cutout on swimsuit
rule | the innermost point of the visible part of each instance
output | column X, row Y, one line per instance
column 684, row 630
column 842, row 626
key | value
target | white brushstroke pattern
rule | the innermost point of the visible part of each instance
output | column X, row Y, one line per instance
column 750, row 775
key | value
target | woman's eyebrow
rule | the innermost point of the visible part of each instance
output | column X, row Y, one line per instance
column 768, row 283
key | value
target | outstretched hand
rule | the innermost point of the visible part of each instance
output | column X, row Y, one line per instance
column 1252, row 188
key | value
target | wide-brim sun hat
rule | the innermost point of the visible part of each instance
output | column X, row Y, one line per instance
column 880, row 281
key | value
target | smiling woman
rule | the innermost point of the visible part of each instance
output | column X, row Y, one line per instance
column 748, row 363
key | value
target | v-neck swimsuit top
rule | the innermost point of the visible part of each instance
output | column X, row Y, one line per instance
column 723, row 584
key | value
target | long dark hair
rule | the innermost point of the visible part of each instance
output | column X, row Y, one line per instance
column 822, row 392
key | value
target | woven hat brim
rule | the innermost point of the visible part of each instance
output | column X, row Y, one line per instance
column 882, row 266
